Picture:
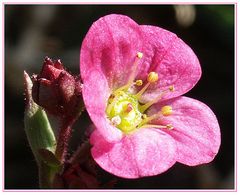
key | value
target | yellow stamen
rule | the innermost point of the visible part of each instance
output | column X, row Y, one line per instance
column 134, row 70
column 124, row 109
column 139, row 82
column 144, row 107
column 114, row 100
column 139, row 55
column 147, row 119
column 166, row 110
column 150, row 118
column 139, row 94
column 152, row 77
column 171, row 88
column 168, row 126
column 111, row 98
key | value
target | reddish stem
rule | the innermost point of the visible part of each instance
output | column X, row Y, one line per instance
column 63, row 139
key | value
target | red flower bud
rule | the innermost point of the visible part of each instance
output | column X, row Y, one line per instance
column 57, row 91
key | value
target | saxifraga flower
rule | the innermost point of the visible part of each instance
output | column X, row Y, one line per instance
column 134, row 76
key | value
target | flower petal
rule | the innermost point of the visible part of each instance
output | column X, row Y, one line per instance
column 173, row 60
column 196, row 130
column 146, row 152
column 95, row 94
column 111, row 45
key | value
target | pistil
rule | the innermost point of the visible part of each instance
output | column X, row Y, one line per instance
column 129, row 108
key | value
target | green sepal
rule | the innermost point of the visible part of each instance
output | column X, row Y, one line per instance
column 40, row 137
column 38, row 129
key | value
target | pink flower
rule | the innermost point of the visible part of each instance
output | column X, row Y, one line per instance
column 134, row 76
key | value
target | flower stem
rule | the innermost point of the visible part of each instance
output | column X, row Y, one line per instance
column 62, row 142
column 46, row 175
column 65, row 133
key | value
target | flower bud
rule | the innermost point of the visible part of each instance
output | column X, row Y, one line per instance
column 57, row 91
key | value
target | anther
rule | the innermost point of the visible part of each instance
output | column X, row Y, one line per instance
column 152, row 77
column 138, row 82
column 169, row 126
column 171, row 88
column 139, row 55
column 116, row 120
column 112, row 100
column 112, row 96
column 166, row 110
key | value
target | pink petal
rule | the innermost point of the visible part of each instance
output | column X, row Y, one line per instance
column 196, row 130
column 146, row 152
column 173, row 60
column 95, row 94
column 111, row 46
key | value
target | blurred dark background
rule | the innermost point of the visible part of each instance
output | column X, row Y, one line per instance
column 35, row 31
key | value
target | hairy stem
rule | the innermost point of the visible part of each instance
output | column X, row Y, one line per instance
column 63, row 139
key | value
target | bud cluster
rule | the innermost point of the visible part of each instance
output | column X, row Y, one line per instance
column 56, row 90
